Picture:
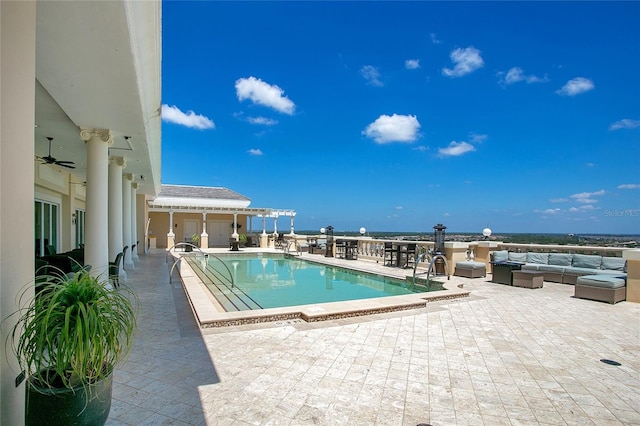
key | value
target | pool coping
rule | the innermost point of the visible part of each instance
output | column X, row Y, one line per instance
column 210, row 314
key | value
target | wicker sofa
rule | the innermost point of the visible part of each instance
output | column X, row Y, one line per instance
column 564, row 267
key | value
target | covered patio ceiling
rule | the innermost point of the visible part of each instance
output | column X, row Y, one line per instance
column 101, row 73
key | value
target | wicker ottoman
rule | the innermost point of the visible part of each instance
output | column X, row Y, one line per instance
column 470, row 269
column 604, row 288
column 528, row 278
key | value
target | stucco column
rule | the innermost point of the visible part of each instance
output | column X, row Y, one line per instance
column 134, row 221
column 17, row 85
column 633, row 274
column 96, row 251
column 293, row 217
column 483, row 253
column 116, row 244
column 275, row 225
column 127, row 180
column 264, row 239
column 204, row 237
column 235, row 226
column 171, row 237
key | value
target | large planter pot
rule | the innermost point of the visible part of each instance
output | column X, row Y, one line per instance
column 78, row 406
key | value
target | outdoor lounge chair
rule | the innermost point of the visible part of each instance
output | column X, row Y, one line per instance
column 114, row 270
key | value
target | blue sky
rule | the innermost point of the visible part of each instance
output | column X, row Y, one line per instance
column 396, row 116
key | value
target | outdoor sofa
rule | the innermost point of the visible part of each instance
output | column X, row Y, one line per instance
column 564, row 267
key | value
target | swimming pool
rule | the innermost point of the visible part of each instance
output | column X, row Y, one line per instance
column 262, row 281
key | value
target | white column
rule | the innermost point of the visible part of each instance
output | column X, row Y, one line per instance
column 134, row 221
column 96, row 251
column 204, row 237
column 116, row 244
column 17, row 77
column 264, row 225
column 235, row 226
column 127, row 180
column 171, row 237
column 293, row 216
column 275, row 224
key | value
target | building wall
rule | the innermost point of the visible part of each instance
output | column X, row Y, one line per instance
column 159, row 225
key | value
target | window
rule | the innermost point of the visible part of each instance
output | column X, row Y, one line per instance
column 46, row 226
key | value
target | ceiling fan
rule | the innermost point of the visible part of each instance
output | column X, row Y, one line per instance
column 50, row 160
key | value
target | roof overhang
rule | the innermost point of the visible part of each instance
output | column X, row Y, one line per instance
column 99, row 66
column 181, row 208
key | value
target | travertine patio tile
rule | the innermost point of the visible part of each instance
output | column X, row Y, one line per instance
column 501, row 356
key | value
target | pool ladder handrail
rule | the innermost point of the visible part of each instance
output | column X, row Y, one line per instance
column 206, row 256
column 287, row 248
column 424, row 256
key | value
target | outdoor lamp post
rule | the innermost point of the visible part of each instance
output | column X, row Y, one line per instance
column 486, row 232
column 329, row 233
column 363, row 231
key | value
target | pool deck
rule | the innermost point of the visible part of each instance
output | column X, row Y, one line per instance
column 501, row 356
column 209, row 313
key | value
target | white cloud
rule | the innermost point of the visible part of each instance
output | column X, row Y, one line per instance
column 587, row 197
column 372, row 75
column 551, row 211
column 255, row 152
column 412, row 64
column 456, row 148
column 629, row 186
column 625, row 123
column 476, row 138
column 262, row 93
column 399, row 207
column 262, row 120
column 434, row 39
column 466, row 61
column 581, row 209
column 559, row 200
column 516, row 74
column 395, row 128
column 576, row 86
column 172, row 114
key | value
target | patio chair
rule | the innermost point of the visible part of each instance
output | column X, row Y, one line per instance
column 409, row 254
column 389, row 254
column 124, row 253
column 114, row 270
column 51, row 249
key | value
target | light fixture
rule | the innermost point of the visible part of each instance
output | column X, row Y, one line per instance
column 363, row 231
column 486, row 232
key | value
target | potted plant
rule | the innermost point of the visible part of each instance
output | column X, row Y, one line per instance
column 242, row 239
column 68, row 340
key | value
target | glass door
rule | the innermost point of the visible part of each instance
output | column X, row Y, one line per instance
column 46, row 227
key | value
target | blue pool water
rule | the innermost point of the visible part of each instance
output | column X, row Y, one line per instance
column 270, row 281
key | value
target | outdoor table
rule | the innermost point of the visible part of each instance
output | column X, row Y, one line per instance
column 502, row 272
column 528, row 279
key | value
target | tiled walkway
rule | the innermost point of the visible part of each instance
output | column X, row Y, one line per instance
column 503, row 356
